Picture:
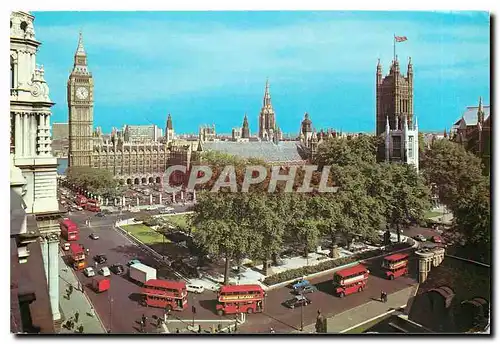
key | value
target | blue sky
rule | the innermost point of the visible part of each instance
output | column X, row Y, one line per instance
column 211, row 67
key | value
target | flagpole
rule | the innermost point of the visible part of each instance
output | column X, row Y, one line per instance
column 394, row 42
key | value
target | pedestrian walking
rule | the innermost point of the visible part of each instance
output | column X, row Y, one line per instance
column 199, row 328
column 158, row 322
column 80, row 329
column 382, row 296
column 271, row 330
column 70, row 289
column 77, row 316
column 144, row 319
column 95, row 264
column 177, row 330
column 385, row 297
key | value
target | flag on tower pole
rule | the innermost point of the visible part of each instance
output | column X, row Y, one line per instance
column 398, row 39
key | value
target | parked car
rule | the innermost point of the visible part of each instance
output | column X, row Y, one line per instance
column 133, row 261
column 94, row 236
column 100, row 258
column 100, row 214
column 89, row 272
column 300, row 284
column 420, row 237
column 297, row 301
column 65, row 246
column 195, row 288
column 117, row 269
column 150, row 208
column 437, row 239
column 104, row 271
column 306, row 290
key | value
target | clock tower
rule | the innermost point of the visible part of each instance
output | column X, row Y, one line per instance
column 80, row 110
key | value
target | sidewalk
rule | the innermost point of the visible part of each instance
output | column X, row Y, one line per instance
column 354, row 317
column 77, row 302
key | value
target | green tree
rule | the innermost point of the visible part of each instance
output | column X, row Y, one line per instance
column 409, row 197
column 221, row 226
column 97, row 181
column 452, row 169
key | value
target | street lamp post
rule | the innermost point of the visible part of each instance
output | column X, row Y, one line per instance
column 302, row 313
column 110, row 314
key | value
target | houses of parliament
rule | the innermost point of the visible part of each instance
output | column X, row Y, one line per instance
column 134, row 161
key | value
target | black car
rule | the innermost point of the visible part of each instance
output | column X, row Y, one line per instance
column 117, row 269
column 100, row 214
column 297, row 301
column 100, row 258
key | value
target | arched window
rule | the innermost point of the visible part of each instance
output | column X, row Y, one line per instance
column 24, row 26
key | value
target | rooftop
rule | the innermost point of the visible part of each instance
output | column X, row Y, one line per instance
column 287, row 151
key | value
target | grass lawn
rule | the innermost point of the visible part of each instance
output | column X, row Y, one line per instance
column 180, row 221
column 145, row 234
column 368, row 325
column 430, row 214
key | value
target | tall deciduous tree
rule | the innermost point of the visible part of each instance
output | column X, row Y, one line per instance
column 409, row 197
column 452, row 169
column 94, row 180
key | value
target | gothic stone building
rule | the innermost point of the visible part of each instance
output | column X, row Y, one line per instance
column 130, row 162
column 394, row 115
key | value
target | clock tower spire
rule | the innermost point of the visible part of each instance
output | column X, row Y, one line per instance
column 80, row 110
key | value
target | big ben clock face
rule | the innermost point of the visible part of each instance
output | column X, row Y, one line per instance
column 82, row 93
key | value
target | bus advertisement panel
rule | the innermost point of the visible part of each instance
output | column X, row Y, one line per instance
column 233, row 299
column 170, row 295
column 77, row 256
column 350, row 280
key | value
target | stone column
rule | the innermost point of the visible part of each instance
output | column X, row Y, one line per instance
column 173, row 197
column 53, row 248
column 194, row 195
column 159, row 200
column 151, row 199
column 123, row 200
column 45, row 256
column 18, row 135
column 106, row 202
column 137, row 201
column 182, row 195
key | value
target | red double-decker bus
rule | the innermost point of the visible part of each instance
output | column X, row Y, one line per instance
column 246, row 298
column 92, row 205
column 170, row 295
column 81, row 201
column 350, row 280
column 77, row 256
column 395, row 265
column 69, row 230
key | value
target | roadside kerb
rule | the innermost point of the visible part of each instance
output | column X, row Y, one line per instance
column 174, row 214
column 369, row 320
column 324, row 272
column 94, row 312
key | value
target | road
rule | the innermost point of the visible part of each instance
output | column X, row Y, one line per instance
column 284, row 320
column 119, row 310
column 118, row 307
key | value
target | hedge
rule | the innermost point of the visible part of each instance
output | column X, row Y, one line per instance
column 312, row 269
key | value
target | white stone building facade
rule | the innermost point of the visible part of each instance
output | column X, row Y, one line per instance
column 32, row 162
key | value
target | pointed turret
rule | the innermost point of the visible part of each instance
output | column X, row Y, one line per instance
column 245, row 130
column 480, row 112
column 415, row 126
column 410, row 67
column 169, row 122
column 379, row 72
column 80, row 50
column 80, row 58
column 445, row 134
column 267, row 95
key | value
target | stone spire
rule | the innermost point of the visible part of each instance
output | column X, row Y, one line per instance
column 80, row 50
column 169, row 122
column 267, row 95
column 245, row 131
column 480, row 112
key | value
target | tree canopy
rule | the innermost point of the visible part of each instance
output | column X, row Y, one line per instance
column 97, row 181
